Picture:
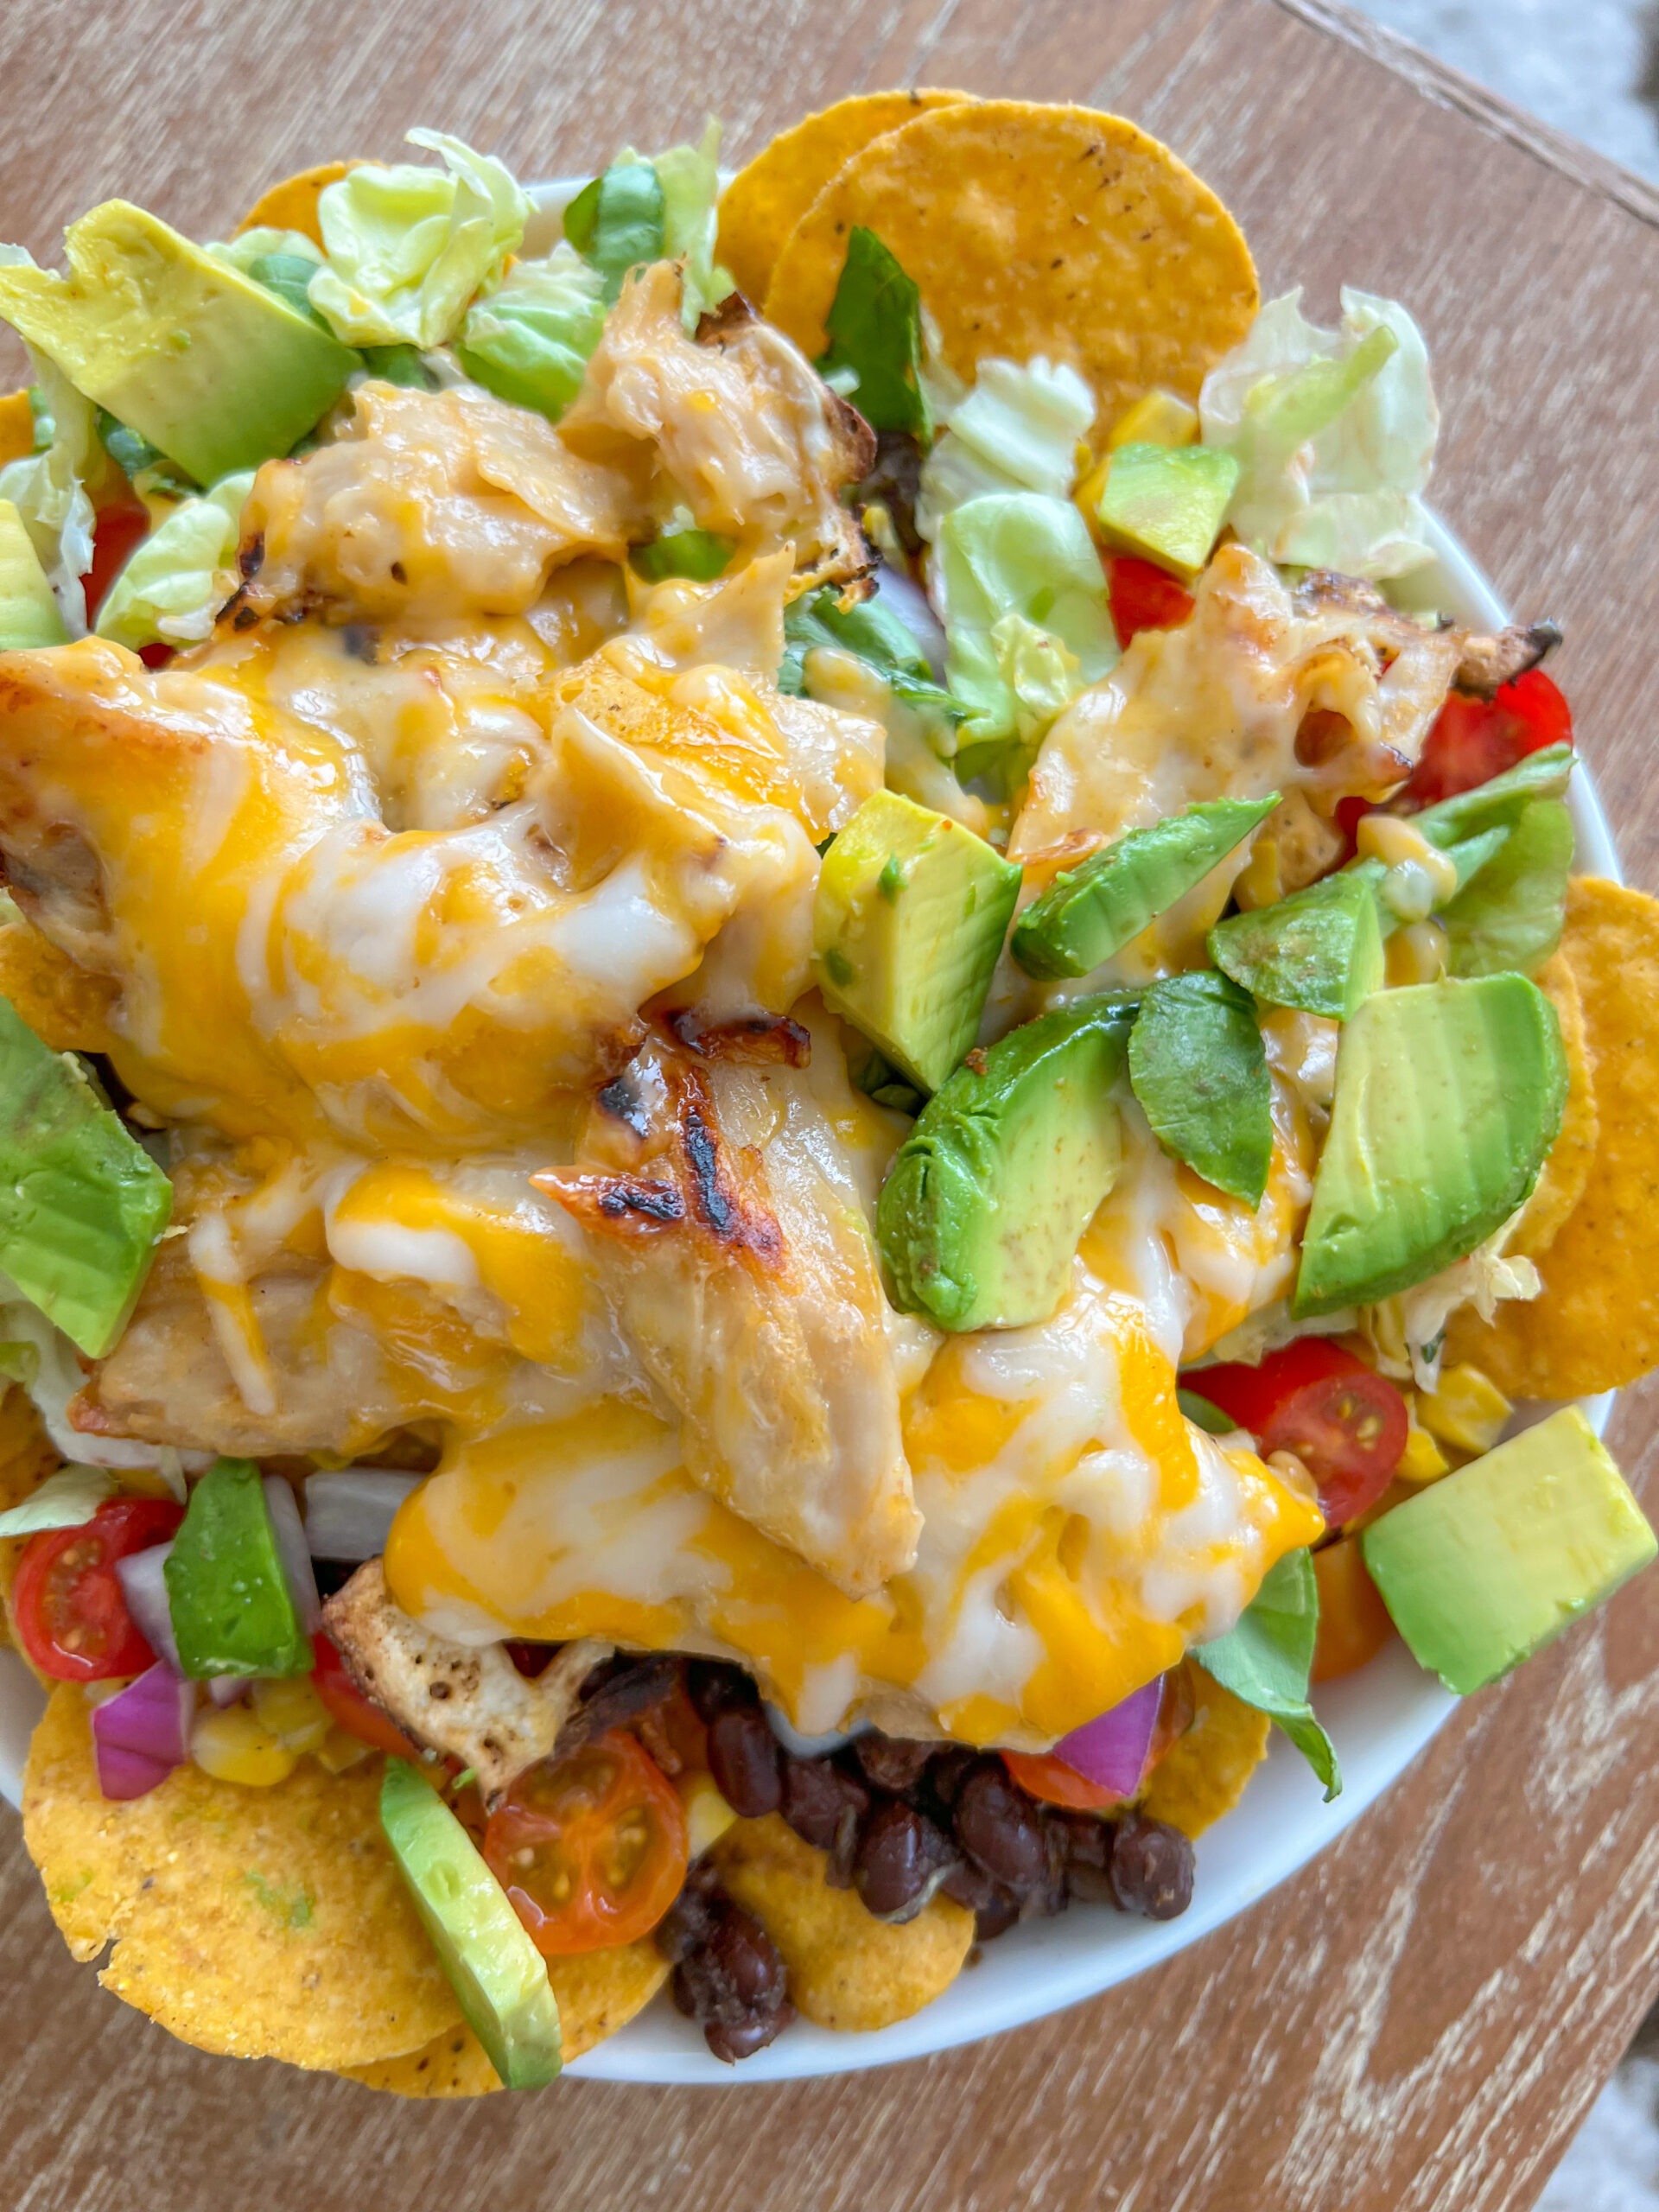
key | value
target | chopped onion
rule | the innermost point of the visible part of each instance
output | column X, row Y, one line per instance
column 348, row 1515
column 144, row 1584
column 142, row 1733
column 290, row 1531
column 1113, row 1750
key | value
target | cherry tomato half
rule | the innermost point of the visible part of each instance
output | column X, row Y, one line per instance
column 349, row 1709
column 1040, row 1773
column 1144, row 597
column 1354, row 1624
column 72, row 1612
column 116, row 533
column 1343, row 1419
column 1474, row 740
column 591, row 1849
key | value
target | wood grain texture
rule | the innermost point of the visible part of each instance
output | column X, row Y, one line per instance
column 1418, row 2021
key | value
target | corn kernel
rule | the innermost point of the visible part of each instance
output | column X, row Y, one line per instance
column 1088, row 493
column 1416, row 954
column 233, row 1745
column 293, row 1712
column 1467, row 1410
column 339, row 1750
column 1157, row 418
column 1422, row 1461
column 708, row 1816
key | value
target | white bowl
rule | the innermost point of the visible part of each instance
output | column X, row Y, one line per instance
column 1379, row 1720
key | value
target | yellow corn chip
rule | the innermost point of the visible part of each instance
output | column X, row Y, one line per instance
column 598, row 1992
column 259, row 1923
column 1035, row 230
column 847, row 1970
column 1566, row 1172
column 765, row 200
column 1596, row 1327
column 292, row 204
column 16, row 427
column 27, row 1458
column 1204, row 1773
column 62, row 1004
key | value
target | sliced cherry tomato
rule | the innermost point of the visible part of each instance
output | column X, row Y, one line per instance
column 1474, row 740
column 591, row 1849
column 1354, row 1624
column 1144, row 597
column 1343, row 1419
column 115, row 532
column 1040, row 1773
column 156, row 656
column 72, row 1612
column 349, row 1709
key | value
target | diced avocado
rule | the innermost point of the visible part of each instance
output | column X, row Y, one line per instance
column 499, row 1976
column 1448, row 1097
column 82, row 1204
column 1320, row 950
column 1167, row 503
column 211, row 367
column 1199, row 1069
column 1514, row 915
column 979, row 1218
column 1090, row 912
column 1490, row 1563
column 911, row 913
column 1157, row 418
column 233, row 1611
column 28, row 613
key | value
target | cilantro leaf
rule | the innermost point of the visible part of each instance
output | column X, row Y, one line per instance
column 1265, row 1658
column 875, row 335
column 618, row 220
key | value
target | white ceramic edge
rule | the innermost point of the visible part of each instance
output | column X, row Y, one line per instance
column 1379, row 1721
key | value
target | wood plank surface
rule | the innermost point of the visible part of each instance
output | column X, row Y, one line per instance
column 1418, row 2021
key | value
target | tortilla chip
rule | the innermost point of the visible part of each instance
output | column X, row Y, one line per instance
column 16, row 427
column 599, row 1992
column 257, row 1923
column 1035, row 230
column 1204, row 1773
column 847, row 1970
column 1566, row 1171
column 28, row 1456
column 765, row 200
column 1596, row 1326
column 66, row 1008
column 292, row 204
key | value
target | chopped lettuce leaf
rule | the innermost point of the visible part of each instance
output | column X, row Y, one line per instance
column 528, row 340
column 874, row 357
column 1406, row 1333
column 408, row 366
column 690, row 177
column 182, row 575
column 59, row 1378
column 1028, row 556
column 1266, row 1656
column 1513, row 913
column 618, row 220
column 249, row 248
column 683, row 549
column 1334, row 432
column 48, row 486
column 1017, row 431
column 408, row 247
column 67, row 1499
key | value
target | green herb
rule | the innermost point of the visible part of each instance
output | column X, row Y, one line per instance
column 699, row 554
column 1199, row 1411
column 125, row 448
column 1266, row 1656
column 874, row 326
column 400, row 364
column 617, row 221
column 870, row 633
column 296, row 1906
column 288, row 274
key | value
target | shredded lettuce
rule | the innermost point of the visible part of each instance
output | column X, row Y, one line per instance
column 1334, row 432
column 1017, row 431
column 249, row 248
column 408, row 247
column 67, row 1499
column 690, row 177
column 644, row 209
column 60, row 1377
column 528, row 340
column 874, row 324
column 1513, row 913
column 179, row 577
column 48, row 490
column 1025, row 619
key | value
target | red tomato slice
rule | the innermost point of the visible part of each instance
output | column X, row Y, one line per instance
column 349, row 1709
column 1343, row 1419
column 1144, row 597
column 72, row 1612
column 1474, row 740
column 116, row 533
column 592, row 1849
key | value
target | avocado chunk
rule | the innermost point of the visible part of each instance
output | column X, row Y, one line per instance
column 233, row 1611
column 979, row 1219
column 1320, row 950
column 82, row 1204
column 214, row 370
column 910, row 912
column 1197, row 1066
column 28, row 613
column 1167, row 503
column 1488, row 1565
column 1448, row 1097
column 1090, row 912
column 499, row 1976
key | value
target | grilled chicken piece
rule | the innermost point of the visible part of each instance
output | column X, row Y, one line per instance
column 1490, row 662
column 467, row 1700
column 734, row 1246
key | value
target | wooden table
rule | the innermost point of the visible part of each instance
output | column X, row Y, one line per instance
column 1420, row 2020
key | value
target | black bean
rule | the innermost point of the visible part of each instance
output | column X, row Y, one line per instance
column 948, row 1769
column 743, row 1760
column 817, row 1797
column 746, row 2037
column 1087, row 1840
column 626, row 1692
column 901, row 1859
column 1152, row 1868
column 995, row 1919
column 689, row 1920
column 735, row 1972
column 970, row 1885
column 895, row 1763
column 997, row 1824
column 712, row 1686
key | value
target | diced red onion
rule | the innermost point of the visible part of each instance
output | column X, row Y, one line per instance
column 227, row 1689
column 1113, row 1750
column 142, row 1733
column 348, row 1515
column 290, row 1531
column 144, row 1584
